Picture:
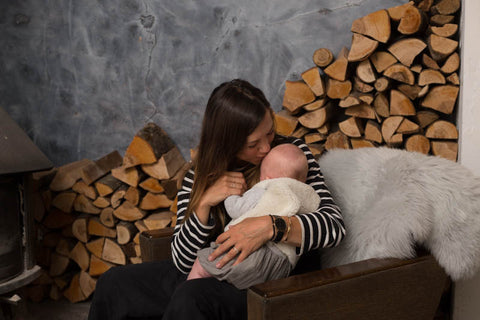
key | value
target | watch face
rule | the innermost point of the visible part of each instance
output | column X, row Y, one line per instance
column 280, row 224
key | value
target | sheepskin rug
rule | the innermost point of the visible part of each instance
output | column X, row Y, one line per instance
column 393, row 199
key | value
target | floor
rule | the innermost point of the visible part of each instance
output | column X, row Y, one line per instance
column 50, row 309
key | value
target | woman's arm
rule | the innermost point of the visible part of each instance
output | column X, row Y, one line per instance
column 191, row 234
column 323, row 227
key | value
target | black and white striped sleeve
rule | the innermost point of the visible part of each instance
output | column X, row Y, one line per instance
column 323, row 227
column 190, row 236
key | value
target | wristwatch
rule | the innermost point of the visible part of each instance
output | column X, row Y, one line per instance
column 280, row 228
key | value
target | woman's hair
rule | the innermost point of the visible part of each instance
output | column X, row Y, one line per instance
column 234, row 110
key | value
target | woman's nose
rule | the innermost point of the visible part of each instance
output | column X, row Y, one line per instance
column 264, row 147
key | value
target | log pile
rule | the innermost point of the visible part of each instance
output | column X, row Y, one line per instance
column 90, row 213
column 397, row 85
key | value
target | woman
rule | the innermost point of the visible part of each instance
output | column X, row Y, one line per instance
column 237, row 133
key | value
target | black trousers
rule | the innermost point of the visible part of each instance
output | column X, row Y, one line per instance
column 157, row 290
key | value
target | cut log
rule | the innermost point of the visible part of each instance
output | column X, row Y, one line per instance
column 166, row 166
column 101, row 202
column 365, row 71
column 96, row 247
column 351, row 127
column 418, row 143
column 429, row 62
column 406, row 50
column 375, row 25
column 425, row 5
column 400, row 73
column 133, row 195
column 107, row 185
column 382, row 105
column 338, row 69
column 316, row 119
column 82, row 188
column 441, row 129
column 361, row 86
column 285, row 123
column 99, row 168
column 107, row 218
column 381, row 84
column 98, row 266
column 153, row 185
column 361, row 48
column 411, row 92
column 67, row 175
column 128, row 212
column 337, row 140
column 313, row 79
column 381, row 60
column 153, row 201
column 297, row 94
column 451, row 64
column 140, row 225
column 426, row 117
column 441, row 19
column 64, row 246
column 118, row 196
column 64, row 201
column 372, row 131
column 366, row 97
column 79, row 228
column 423, row 92
column 158, row 220
column 325, row 129
column 322, row 57
column 125, row 232
column 448, row 30
column 349, row 101
column 314, row 137
column 83, row 204
column 51, row 239
column 453, row 79
column 74, row 293
column 96, row 228
column 128, row 175
column 58, row 264
column 441, row 47
column 148, row 145
column 416, row 68
column 408, row 127
column 400, row 104
column 317, row 104
column 80, row 255
column 412, row 21
column 445, row 149
column 446, row 7
column 389, row 127
column 112, row 252
column 338, row 89
column 57, row 219
column 441, row 98
column 362, row 110
column 397, row 13
column 300, row 132
column 430, row 76
column 361, row 143
column 87, row 284
column 55, row 294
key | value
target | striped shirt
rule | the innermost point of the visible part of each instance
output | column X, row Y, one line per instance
column 321, row 228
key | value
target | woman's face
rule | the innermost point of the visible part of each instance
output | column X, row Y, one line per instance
column 258, row 143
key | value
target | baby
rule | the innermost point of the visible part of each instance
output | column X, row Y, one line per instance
column 282, row 191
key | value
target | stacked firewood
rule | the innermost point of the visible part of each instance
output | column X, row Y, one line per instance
column 397, row 85
column 96, row 210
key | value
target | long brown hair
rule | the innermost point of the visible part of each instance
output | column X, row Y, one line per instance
column 233, row 112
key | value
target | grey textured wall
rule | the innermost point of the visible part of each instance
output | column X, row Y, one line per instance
column 82, row 77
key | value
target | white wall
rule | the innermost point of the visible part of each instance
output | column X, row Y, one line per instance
column 467, row 293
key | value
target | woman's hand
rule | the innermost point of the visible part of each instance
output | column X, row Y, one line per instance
column 231, row 183
column 242, row 239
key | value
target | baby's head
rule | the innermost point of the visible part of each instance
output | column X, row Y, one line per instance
column 285, row 160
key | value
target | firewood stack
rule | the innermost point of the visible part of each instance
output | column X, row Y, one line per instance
column 397, row 85
column 95, row 211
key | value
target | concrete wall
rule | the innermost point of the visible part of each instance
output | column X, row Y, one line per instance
column 82, row 77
